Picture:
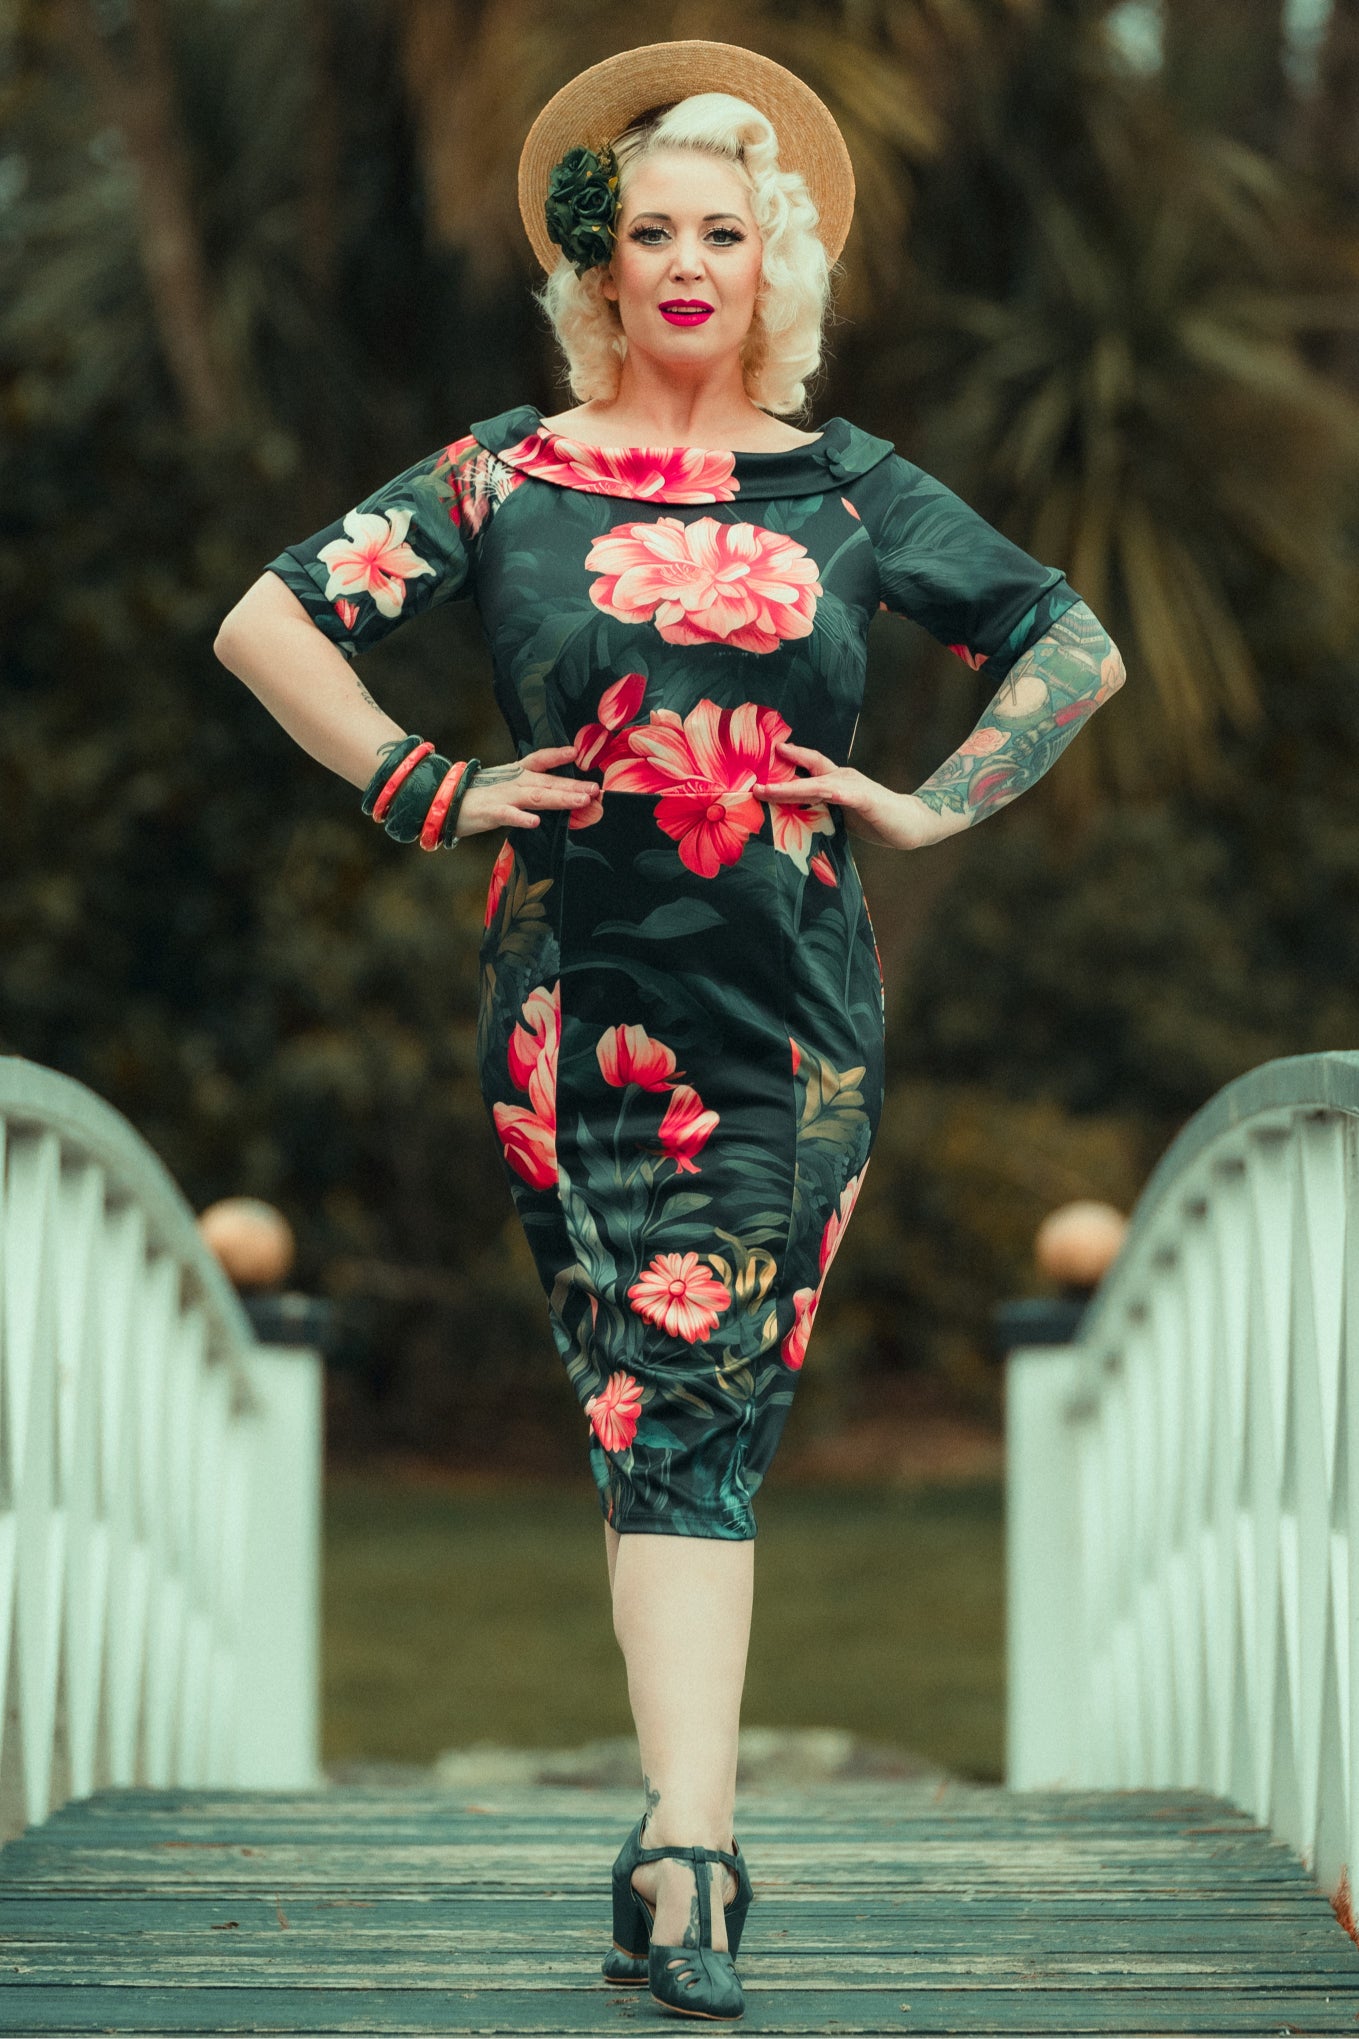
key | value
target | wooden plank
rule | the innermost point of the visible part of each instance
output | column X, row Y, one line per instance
column 559, row 2008
column 878, row 1909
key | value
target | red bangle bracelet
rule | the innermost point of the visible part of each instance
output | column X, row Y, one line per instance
column 402, row 772
column 440, row 804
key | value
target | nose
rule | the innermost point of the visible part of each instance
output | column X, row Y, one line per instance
column 687, row 259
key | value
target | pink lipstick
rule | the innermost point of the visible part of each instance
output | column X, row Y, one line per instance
column 685, row 311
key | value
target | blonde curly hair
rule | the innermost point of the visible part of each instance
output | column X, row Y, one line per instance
column 784, row 344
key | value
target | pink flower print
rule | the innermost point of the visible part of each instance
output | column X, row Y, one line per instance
column 613, row 1412
column 835, row 1224
column 703, row 768
column 597, row 743
column 797, row 1053
column 618, row 704
column 480, row 479
column 348, row 612
column 530, row 1144
column 500, row 872
column 793, row 1350
column 628, row 1054
column 969, row 658
column 374, row 559
column 821, row 867
column 666, row 474
column 794, row 1347
column 529, row 1134
column 686, row 1127
column 982, row 742
column 794, row 827
column 852, row 511
column 681, row 1293
column 706, row 582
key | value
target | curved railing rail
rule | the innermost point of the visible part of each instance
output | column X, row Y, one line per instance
column 1183, row 1483
column 159, row 1481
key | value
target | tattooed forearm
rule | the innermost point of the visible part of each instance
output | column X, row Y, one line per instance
column 364, row 693
column 496, row 775
column 1043, row 700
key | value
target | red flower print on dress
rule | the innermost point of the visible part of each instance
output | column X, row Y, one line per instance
column 598, row 742
column 348, row 612
column 628, row 1054
column 706, row 582
column 686, row 1127
column 529, row 1136
column 373, row 559
column 703, row 765
column 681, row 1293
column 969, row 658
column 797, row 1053
column 664, row 474
column 500, row 872
column 794, row 1347
column 613, row 1412
column 794, row 827
column 619, row 703
column 481, row 480
column 821, row 867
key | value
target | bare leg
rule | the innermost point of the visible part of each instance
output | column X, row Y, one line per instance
column 681, row 1613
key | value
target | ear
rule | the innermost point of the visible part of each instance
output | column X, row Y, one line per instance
column 608, row 287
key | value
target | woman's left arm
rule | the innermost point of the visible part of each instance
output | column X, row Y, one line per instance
column 1050, row 691
column 1043, row 700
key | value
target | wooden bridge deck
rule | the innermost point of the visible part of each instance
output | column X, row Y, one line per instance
column 883, row 1907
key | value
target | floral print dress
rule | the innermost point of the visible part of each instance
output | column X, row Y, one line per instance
column 681, row 998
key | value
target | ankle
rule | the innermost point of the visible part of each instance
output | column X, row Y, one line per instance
column 680, row 1833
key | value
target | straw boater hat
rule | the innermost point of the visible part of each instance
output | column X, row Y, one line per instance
column 594, row 108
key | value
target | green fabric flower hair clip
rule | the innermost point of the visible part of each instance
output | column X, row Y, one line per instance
column 582, row 204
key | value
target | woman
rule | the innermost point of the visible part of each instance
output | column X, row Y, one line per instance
column 681, row 1002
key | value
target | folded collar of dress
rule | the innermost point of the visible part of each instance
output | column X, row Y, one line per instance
column 680, row 474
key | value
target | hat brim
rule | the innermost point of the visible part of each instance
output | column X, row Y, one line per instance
column 595, row 106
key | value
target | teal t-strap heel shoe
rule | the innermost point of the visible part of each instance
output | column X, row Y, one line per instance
column 703, row 1982
column 626, row 1961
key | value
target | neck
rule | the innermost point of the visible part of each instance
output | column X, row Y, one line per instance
column 696, row 407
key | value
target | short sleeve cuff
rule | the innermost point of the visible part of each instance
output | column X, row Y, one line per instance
column 310, row 592
column 1032, row 619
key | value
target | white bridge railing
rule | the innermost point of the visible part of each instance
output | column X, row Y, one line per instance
column 159, row 1481
column 1183, row 1483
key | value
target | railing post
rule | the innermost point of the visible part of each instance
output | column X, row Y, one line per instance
column 1047, row 1667
column 277, row 1734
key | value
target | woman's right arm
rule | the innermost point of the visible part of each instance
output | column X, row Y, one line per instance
column 305, row 681
column 295, row 631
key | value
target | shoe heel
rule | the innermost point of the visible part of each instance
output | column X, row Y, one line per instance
column 631, row 1921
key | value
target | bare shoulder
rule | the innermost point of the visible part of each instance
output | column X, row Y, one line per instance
column 593, row 427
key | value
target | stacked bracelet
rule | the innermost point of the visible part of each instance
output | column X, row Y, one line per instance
column 416, row 794
column 459, row 795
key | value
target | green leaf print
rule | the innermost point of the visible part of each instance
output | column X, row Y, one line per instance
column 523, row 918
column 832, row 1108
column 675, row 917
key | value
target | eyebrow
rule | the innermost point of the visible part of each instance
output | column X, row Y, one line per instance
column 670, row 216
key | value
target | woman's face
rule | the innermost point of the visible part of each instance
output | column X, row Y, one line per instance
column 685, row 237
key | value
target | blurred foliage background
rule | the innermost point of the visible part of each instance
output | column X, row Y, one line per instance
column 256, row 256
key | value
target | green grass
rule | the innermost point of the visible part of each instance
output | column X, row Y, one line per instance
column 461, row 1615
